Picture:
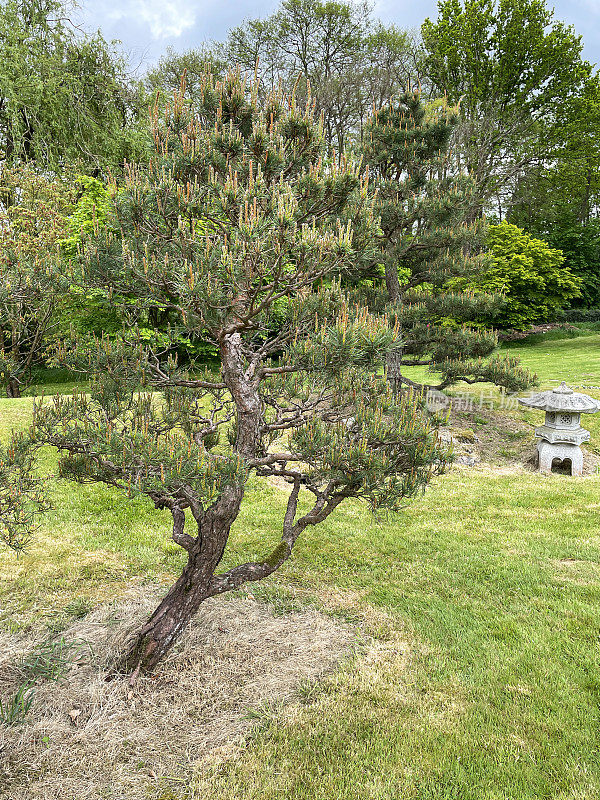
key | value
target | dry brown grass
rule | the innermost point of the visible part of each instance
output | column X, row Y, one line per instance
column 237, row 660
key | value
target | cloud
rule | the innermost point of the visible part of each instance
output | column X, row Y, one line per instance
column 165, row 18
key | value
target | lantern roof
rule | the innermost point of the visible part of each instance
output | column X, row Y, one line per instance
column 562, row 398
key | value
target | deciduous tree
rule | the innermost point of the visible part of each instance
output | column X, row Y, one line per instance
column 514, row 69
column 63, row 96
column 33, row 221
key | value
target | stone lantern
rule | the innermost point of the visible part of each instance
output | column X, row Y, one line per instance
column 561, row 434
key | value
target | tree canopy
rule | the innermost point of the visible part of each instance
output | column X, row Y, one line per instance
column 64, row 96
column 515, row 70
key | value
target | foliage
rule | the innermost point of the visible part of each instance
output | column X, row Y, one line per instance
column 92, row 210
column 578, row 240
column 22, row 495
column 530, row 274
column 92, row 311
column 239, row 218
column 32, row 226
column 96, row 311
column 427, row 237
column 515, row 71
column 562, row 186
column 165, row 77
column 63, row 96
column 583, row 315
column 349, row 60
column 580, row 245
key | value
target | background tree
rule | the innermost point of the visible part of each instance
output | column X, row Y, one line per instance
column 321, row 42
column 84, row 312
column 559, row 198
column 33, row 221
column 350, row 60
column 580, row 246
column 63, row 96
column 165, row 76
column 390, row 63
column 564, row 180
column 529, row 274
column 238, row 219
column 429, row 238
column 254, row 45
column 515, row 71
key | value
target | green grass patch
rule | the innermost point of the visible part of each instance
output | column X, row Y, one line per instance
column 483, row 598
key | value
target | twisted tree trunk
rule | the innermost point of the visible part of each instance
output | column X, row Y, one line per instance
column 195, row 584
column 168, row 621
column 197, row 581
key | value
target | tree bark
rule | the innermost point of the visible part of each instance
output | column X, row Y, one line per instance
column 394, row 368
column 392, row 282
column 13, row 389
column 169, row 620
column 394, row 356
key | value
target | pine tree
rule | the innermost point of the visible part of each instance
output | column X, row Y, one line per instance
column 428, row 239
column 238, row 226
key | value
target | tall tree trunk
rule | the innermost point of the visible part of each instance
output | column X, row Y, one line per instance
column 392, row 282
column 584, row 206
column 13, row 388
column 394, row 356
column 394, row 368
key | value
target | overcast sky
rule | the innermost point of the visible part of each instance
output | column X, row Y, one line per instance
column 147, row 27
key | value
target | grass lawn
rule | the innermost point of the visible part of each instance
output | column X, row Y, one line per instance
column 482, row 679
column 576, row 361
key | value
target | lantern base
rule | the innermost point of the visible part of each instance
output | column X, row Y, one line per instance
column 548, row 452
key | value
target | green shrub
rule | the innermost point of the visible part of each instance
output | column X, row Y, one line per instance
column 589, row 315
column 528, row 273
